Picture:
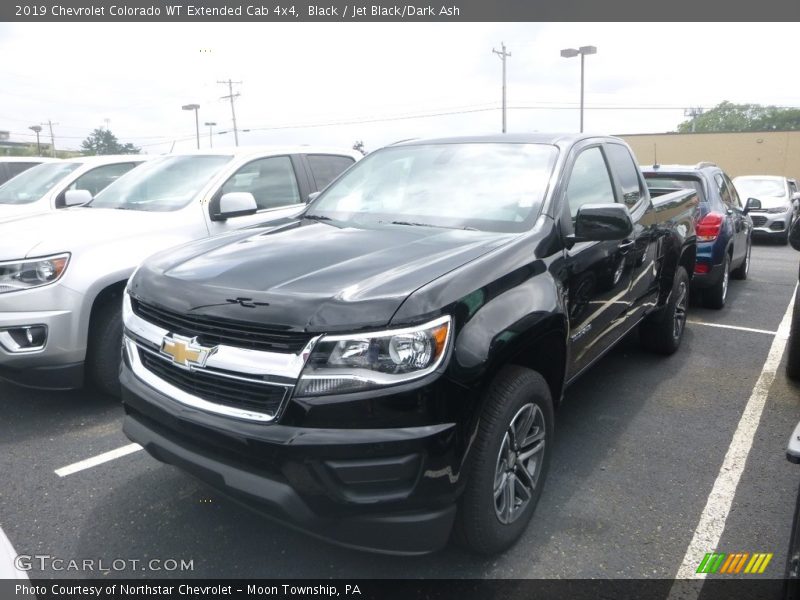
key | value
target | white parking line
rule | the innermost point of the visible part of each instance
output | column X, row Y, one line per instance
column 97, row 460
column 712, row 520
column 736, row 327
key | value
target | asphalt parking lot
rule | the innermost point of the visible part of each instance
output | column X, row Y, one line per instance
column 640, row 442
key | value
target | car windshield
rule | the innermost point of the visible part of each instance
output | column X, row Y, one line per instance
column 485, row 186
column 30, row 185
column 757, row 187
column 161, row 185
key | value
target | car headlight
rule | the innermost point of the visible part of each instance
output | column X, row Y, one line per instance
column 17, row 275
column 357, row 362
column 779, row 209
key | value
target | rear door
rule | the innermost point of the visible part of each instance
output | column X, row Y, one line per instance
column 324, row 168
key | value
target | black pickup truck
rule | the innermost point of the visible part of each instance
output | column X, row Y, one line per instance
column 383, row 369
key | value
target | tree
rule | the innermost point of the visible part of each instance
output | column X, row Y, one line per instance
column 727, row 116
column 102, row 141
column 359, row 145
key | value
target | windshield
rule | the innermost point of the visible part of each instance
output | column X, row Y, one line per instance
column 161, row 185
column 486, row 186
column 30, row 185
column 757, row 187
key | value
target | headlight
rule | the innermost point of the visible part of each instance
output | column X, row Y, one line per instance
column 16, row 275
column 353, row 363
column 779, row 209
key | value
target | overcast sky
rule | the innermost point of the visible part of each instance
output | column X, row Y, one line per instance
column 300, row 78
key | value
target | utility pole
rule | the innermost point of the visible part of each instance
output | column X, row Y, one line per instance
column 503, row 55
column 231, row 96
column 52, row 137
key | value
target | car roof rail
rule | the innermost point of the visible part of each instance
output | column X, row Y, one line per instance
column 705, row 163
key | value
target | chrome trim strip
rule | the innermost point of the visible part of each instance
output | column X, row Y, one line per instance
column 209, row 371
column 227, row 358
column 182, row 397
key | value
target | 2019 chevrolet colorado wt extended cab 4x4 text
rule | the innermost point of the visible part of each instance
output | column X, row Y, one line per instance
column 385, row 366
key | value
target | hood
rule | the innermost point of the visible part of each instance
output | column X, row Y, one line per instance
column 72, row 229
column 308, row 276
column 13, row 211
column 771, row 201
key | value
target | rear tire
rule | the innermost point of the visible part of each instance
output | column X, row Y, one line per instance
column 715, row 296
column 743, row 269
column 793, row 343
column 662, row 332
column 104, row 353
column 504, row 484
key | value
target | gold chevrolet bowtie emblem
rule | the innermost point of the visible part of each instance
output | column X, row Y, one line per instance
column 185, row 352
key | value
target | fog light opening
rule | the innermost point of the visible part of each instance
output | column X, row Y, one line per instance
column 28, row 338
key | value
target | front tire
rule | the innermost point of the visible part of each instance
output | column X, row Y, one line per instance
column 663, row 331
column 105, row 343
column 510, row 461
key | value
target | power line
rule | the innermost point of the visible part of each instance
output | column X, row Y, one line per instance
column 231, row 96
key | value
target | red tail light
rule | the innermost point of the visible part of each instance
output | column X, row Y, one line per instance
column 709, row 227
column 701, row 268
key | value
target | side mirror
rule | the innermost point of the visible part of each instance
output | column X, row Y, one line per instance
column 313, row 196
column 752, row 204
column 601, row 222
column 236, row 204
column 77, row 197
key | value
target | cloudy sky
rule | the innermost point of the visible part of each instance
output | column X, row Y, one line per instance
column 334, row 83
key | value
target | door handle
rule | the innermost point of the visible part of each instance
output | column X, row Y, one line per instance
column 626, row 245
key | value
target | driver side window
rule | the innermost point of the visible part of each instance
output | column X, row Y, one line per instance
column 271, row 181
column 589, row 182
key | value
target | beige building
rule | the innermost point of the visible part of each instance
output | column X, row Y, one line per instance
column 748, row 153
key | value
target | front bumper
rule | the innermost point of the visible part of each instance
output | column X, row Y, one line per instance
column 771, row 224
column 59, row 363
column 388, row 489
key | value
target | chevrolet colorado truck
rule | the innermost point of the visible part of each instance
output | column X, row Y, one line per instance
column 62, row 273
column 383, row 369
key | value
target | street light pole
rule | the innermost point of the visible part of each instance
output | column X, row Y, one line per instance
column 582, row 51
column 210, row 125
column 37, row 129
column 195, row 108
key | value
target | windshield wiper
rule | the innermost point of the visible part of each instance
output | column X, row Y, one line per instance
column 412, row 224
column 317, row 218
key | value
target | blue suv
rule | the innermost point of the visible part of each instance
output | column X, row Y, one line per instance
column 724, row 229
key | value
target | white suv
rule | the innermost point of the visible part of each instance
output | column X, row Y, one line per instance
column 62, row 274
column 61, row 183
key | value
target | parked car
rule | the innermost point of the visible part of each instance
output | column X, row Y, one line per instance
column 11, row 166
column 60, row 184
column 385, row 365
column 724, row 228
column 62, row 273
column 777, row 206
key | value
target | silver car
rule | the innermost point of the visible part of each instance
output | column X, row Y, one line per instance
column 778, row 204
